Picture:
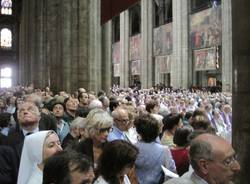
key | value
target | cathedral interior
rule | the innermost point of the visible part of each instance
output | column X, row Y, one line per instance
column 96, row 44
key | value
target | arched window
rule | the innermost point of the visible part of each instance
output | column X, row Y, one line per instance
column 6, row 7
column 5, row 77
column 6, row 38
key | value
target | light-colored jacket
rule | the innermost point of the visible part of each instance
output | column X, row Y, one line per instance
column 187, row 179
column 148, row 163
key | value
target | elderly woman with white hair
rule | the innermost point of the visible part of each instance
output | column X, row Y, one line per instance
column 36, row 149
column 77, row 132
column 98, row 125
column 95, row 104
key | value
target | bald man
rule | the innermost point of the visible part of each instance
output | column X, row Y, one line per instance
column 121, row 122
column 213, row 160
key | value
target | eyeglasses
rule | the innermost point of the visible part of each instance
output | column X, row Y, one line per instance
column 109, row 129
column 124, row 121
column 230, row 160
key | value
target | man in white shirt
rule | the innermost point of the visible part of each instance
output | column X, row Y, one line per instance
column 121, row 121
column 213, row 160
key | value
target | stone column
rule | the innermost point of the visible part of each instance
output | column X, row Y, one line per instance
column 75, row 44
column 83, row 44
column 107, row 56
column 31, row 40
column 53, row 40
column 226, row 45
column 241, row 87
column 95, row 75
column 124, row 48
column 61, row 45
column 147, row 43
column 66, row 44
column 47, row 64
column 179, row 64
column 23, row 43
column 39, row 46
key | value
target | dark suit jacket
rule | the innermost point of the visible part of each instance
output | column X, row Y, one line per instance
column 15, row 140
column 3, row 139
column 8, row 166
column 8, row 162
column 69, row 139
column 86, row 147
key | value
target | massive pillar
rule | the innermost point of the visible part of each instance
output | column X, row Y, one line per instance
column 39, row 45
column 226, row 45
column 179, row 63
column 23, row 43
column 83, row 49
column 31, row 40
column 94, row 64
column 66, row 45
column 107, row 56
column 147, row 43
column 124, row 48
column 241, row 87
column 75, row 43
column 53, row 45
column 60, row 44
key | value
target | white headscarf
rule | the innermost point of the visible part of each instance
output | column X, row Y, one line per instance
column 32, row 154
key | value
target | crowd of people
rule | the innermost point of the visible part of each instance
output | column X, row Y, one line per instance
column 123, row 136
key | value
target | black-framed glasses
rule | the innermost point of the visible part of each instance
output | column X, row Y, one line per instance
column 109, row 129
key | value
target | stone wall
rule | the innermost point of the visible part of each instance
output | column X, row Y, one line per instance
column 60, row 44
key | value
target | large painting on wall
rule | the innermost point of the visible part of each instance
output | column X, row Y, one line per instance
column 163, row 63
column 163, row 40
column 205, row 59
column 205, row 28
column 116, row 52
column 136, row 67
column 135, row 47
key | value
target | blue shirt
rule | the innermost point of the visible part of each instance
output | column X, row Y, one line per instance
column 116, row 134
column 63, row 131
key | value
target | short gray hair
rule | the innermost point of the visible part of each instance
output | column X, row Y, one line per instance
column 34, row 98
column 95, row 104
column 200, row 150
column 78, row 122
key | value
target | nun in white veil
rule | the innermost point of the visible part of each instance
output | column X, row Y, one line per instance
column 36, row 149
